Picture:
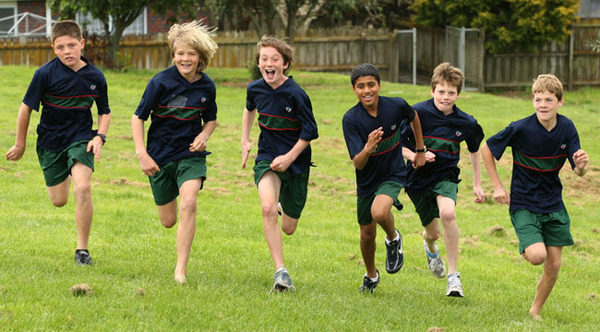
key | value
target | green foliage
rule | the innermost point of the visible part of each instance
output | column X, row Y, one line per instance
column 510, row 25
column 230, row 270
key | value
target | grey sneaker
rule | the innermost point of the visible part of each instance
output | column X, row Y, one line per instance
column 282, row 281
column 435, row 262
column 83, row 257
column 395, row 258
column 369, row 285
column 454, row 285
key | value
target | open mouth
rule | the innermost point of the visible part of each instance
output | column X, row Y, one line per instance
column 270, row 73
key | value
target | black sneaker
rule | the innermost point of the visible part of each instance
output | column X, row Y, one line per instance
column 83, row 257
column 369, row 285
column 395, row 258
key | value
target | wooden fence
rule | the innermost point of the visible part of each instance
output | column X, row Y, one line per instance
column 573, row 61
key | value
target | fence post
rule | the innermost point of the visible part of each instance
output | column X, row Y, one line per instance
column 414, row 56
column 480, row 68
column 394, row 58
column 570, row 64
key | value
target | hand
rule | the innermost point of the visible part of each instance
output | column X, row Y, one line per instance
column 246, row 147
column 281, row 163
column 501, row 196
column 419, row 160
column 148, row 165
column 581, row 159
column 95, row 145
column 479, row 194
column 199, row 143
column 429, row 157
column 374, row 139
column 15, row 153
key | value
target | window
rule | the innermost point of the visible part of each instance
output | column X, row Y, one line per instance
column 94, row 26
column 589, row 9
column 7, row 19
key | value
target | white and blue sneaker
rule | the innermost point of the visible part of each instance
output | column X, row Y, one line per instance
column 435, row 263
column 282, row 281
column 454, row 286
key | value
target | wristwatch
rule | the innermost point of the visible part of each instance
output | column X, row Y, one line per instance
column 102, row 137
column 424, row 149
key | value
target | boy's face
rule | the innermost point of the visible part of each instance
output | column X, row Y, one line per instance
column 186, row 60
column 367, row 90
column 546, row 105
column 270, row 63
column 444, row 97
column 68, row 50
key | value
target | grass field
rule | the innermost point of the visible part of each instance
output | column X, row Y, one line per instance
column 230, row 270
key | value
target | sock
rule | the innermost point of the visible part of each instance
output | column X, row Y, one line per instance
column 395, row 239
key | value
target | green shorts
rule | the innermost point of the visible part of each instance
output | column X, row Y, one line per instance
column 294, row 187
column 166, row 183
column 425, row 200
column 363, row 204
column 56, row 166
column 553, row 229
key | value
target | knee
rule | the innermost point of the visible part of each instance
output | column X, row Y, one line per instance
column 82, row 190
column 269, row 210
column 168, row 222
column 187, row 206
column 448, row 216
column 535, row 257
column 288, row 229
column 367, row 236
column 433, row 236
column 59, row 201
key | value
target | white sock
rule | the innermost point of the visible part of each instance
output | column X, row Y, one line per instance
column 396, row 238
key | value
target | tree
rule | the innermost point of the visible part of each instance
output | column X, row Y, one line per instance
column 510, row 25
column 121, row 13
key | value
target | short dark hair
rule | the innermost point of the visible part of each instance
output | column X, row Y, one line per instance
column 66, row 28
column 364, row 69
column 286, row 51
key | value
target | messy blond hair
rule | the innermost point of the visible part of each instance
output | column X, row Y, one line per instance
column 444, row 72
column 548, row 82
column 197, row 36
column 280, row 45
column 66, row 28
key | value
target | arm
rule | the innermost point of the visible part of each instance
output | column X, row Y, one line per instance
column 500, row 195
column 96, row 143
column 200, row 142
column 147, row 164
column 477, row 189
column 17, row 150
column 581, row 159
column 409, row 155
column 281, row 163
column 419, row 158
column 361, row 159
column 247, row 121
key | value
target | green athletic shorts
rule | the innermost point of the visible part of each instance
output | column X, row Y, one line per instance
column 166, row 183
column 56, row 166
column 425, row 200
column 553, row 229
column 294, row 187
column 363, row 204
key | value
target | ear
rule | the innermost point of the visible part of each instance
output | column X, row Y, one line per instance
column 82, row 43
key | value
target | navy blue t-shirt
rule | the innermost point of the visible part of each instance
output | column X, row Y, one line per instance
column 538, row 156
column 442, row 135
column 284, row 116
column 178, row 110
column 386, row 163
column 67, row 98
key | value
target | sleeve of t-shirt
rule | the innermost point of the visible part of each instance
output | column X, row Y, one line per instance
column 574, row 145
column 305, row 114
column 474, row 140
column 33, row 96
column 500, row 141
column 211, row 109
column 250, row 102
column 149, row 100
column 102, row 100
column 353, row 141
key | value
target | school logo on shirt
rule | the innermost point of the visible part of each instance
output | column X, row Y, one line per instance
column 203, row 99
column 93, row 87
column 563, row 146
column 288, row 109
column 393, row 127
column 458, row 133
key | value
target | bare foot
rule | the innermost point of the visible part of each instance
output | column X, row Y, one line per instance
column 535, row 316
column 180, row 278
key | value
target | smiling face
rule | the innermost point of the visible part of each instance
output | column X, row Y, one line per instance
column 367, row 90
column 444, row 97
column 272, row 66
column 68, row 50
column 546, row 106
column 186, row 59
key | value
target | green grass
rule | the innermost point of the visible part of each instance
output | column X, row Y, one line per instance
column 230, row 271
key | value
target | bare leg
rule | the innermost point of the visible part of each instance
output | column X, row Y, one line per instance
column 288, row 224
column 380, row 211
column 547, row 281
column 59, row 194
column 268, row 190
column 368, row 233
column 431, row 234
column 186, row 230
column 451, row 234
column 84, row 207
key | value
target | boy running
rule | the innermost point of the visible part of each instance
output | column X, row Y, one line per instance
column 181, row 101
column 373, row 134
column 67, row 87
column 540, row 143
column 433, row 188
column 287, row 126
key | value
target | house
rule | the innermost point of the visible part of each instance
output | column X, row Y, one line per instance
column 33, row 18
